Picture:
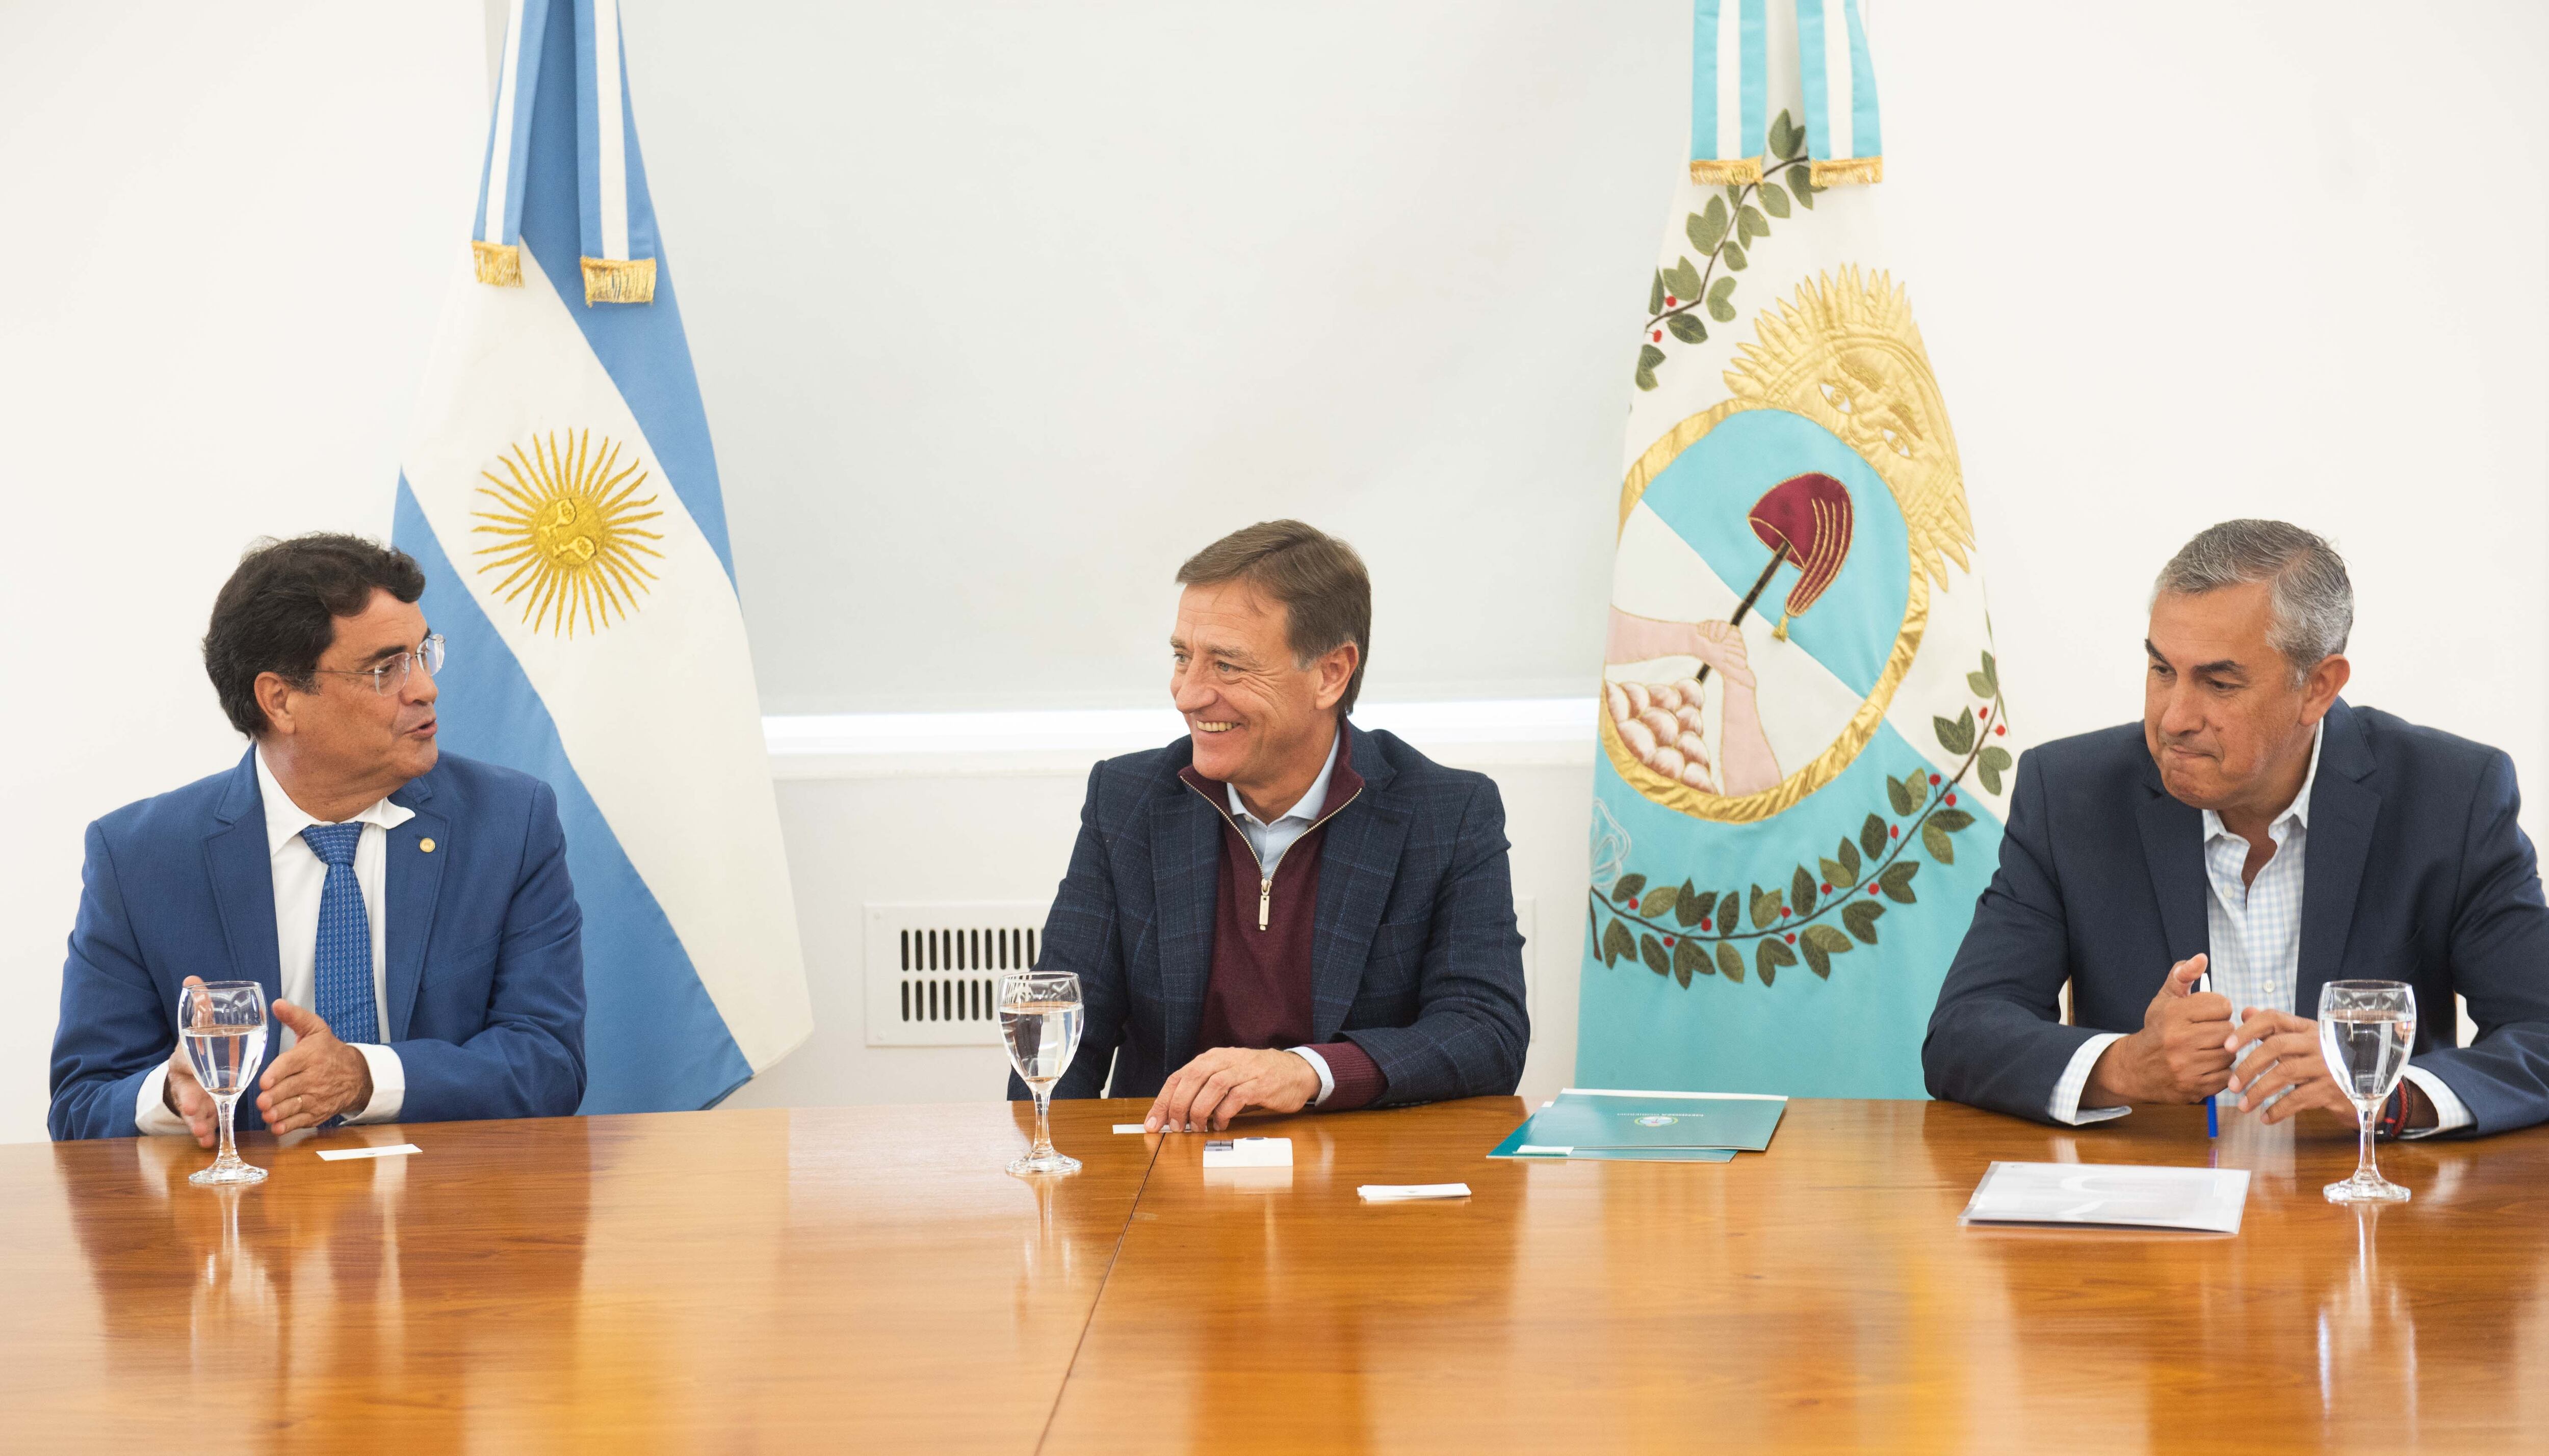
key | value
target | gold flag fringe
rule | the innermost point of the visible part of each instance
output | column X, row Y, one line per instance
column 1742, row 171
column 1847, row 169
column 499, row 263
column 619, row 281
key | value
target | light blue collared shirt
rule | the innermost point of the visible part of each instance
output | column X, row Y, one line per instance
column 1270, row 841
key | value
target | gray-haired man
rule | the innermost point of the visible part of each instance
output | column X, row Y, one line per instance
column 2257, row 829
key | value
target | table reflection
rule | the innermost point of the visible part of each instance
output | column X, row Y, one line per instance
column 2153, row 1326
column 2367, row 1338
column 1049, row 1255
column 1291, row 1281
column 317, row 1287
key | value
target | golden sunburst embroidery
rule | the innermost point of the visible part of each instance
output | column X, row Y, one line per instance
column 570, row 532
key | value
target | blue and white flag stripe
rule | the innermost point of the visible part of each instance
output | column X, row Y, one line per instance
column 646, row 721
column 1838, row 82
column 604, row 139
column 1730, row 80
column 643, row 349
column 509, row 131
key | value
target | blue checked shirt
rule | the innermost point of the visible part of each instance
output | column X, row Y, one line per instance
column 2255, row 954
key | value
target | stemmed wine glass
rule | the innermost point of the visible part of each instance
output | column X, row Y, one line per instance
column 1040, row 1016
column 2365, row 1031
column 223, row 1027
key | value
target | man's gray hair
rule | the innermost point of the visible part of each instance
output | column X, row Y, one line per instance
column 2311, row 607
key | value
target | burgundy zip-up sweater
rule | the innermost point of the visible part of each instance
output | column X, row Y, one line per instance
column 1259, row 995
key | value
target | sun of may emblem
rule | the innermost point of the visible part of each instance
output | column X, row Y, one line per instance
column 569, row 530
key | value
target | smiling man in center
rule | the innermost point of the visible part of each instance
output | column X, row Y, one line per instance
column 1280, row 910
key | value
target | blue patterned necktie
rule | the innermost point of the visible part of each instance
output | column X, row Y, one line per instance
column 343, row 994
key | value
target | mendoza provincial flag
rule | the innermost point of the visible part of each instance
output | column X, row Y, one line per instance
column 1804, row 748
column 561, row 495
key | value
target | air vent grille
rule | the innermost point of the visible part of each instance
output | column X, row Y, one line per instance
column 932, row 968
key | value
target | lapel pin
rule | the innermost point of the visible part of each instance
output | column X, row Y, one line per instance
column 426, row 845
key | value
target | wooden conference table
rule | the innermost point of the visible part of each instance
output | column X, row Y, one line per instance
column 867, row 1279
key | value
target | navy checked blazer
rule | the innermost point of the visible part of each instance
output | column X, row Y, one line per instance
column 1414, row 956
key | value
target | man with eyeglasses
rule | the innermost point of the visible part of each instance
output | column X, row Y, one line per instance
column 407, row 914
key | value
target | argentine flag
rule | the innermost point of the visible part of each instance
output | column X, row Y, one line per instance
column 561, row 495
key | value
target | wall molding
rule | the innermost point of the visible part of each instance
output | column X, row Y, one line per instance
column 1472, row 733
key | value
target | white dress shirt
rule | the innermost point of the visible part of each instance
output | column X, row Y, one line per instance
column 299, row 878
column 1270, row 841
column 2255, row 955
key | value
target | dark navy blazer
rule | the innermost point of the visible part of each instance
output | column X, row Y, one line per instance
column 2413, row 870
column 1414, row 956
column 484, row 944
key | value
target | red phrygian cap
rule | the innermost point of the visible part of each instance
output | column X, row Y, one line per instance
column 1808, row 516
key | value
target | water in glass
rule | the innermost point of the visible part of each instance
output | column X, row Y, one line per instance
column 222, row 1025
column 224, row 1057
column 2367, row 1050
column 2366, row 1029
column 1040, row 1017
column 1042, row 1035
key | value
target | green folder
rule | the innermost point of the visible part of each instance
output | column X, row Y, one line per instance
column 1646, row 1126
column 1619, row 1154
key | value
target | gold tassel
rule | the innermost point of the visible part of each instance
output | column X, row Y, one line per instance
column 1781, row 631
column 619, row 281
column 499, row 263
column 1847, row 169
column 1739, row 171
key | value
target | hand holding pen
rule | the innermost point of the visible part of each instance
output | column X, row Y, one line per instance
column 2179, row 1056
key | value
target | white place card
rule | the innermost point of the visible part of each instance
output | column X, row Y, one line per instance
column 1410, row 1192
column 2115, row 1195
column 1122, row 1128
column 1249, row 1152
column 394, row 1149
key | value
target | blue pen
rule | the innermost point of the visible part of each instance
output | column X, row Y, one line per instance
column 2211, row 1114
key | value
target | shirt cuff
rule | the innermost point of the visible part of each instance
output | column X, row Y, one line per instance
column 150, row 1107
column 2066, row 1105
column 2450, row 1113
column 1319, row 1065
column 389, row 1084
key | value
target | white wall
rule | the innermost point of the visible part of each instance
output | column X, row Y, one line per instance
column 2182, row 262
column 997, row 318
column 1025, row 303
column 227, row 232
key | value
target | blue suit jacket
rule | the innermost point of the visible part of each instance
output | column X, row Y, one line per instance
column 484, row 944
column 1414, row 956
column 2413, row 870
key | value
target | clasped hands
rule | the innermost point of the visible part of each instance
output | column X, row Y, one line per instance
column 2188, row 1044
column 313, row 1081
column 1220, row 1084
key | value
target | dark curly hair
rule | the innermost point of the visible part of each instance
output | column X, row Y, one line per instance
column 278, row 611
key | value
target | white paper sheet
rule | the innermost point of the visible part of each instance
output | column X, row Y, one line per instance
column 2209, row 1200
column 1410, row 1192
column 395, row 1150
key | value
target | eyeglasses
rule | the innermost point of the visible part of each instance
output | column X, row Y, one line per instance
column 389, row 673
